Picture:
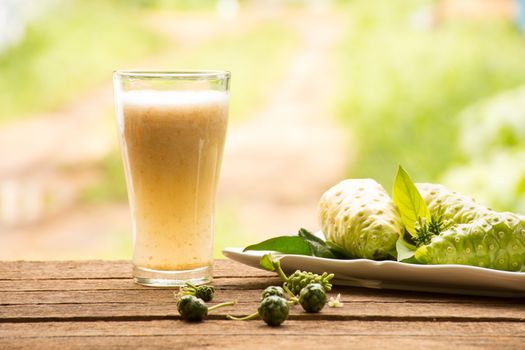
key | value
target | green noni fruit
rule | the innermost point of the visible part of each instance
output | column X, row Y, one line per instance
column 313, row 298
column 360, row 216
column 453, row 206
column 494, row 241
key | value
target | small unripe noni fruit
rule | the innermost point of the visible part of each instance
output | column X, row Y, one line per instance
column 192, row 309
column 273, row 310
column 273, row 290
column 312, row 298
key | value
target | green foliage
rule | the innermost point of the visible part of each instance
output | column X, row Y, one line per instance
column 112, row 185
column 65, row 53
column 178, row 5
column 401, row 87
column 493, row 124
column 71, row 49
column 492, row 141
column 229, row 228
column 254, row 57
column 496, row 180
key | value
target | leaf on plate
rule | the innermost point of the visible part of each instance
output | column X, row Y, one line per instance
column 321, row 250
column 338, row 251
column 409, row 201
column 317, row 245
column 305, row 243
column 266, row 262
column 405, row 250
column 307, row 235
column 283, row 244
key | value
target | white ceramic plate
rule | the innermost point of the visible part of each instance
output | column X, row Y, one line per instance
column 455, row 279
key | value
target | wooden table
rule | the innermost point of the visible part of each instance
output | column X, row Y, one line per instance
column 95, row 304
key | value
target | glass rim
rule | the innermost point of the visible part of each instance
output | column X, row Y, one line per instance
column 192, row 74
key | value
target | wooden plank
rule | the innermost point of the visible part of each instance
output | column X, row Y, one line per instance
column 127, row 284
column 166, row 308
column 96, row 269
column 232, row 287
column 252, row 282
column 16, row 270
column 262, row 341
column 67, row 284
column 290, row 327
column 360, row 302
column 96, row 305
column 226, row 284
column 149, row 302
column 247, row 289
column 97, row 275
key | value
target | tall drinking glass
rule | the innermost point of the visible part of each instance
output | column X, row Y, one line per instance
column 172, row 127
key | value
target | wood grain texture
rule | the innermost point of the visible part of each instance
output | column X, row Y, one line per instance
column 297, row 327
column 100, row 269
column 299, row 334
column 95, row 304
column 259, row 341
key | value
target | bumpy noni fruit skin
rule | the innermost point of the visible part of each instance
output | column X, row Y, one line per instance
column 495, row 241
column 312, row 298
column 191, row 308
column 205, row 293
column 273, row 290
column 478, row 235
column 300, row 279
column 360, row 216
column 454, row 206
column 273, row 310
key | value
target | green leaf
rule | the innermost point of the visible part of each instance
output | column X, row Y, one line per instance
column 405, row 250
column 317, row 245
column 305, row 243
column 307, row 235
column 283, row 244
column 266, row 262
column 409, row 201
column 321, row 250
column 338, row 251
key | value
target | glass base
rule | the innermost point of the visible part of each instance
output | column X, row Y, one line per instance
column 163, row 278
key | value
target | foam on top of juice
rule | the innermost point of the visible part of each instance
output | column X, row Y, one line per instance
column 142, row 98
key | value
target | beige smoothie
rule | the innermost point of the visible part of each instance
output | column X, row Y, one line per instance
column 173, row 143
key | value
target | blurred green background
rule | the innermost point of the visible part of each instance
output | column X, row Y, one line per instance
column 321, row 91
